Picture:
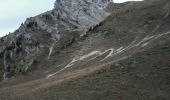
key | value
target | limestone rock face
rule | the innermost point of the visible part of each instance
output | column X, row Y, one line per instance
column 84, row 13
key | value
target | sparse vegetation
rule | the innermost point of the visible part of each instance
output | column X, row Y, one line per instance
column 136, row 34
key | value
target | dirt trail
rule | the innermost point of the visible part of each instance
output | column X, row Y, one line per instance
column 32, row 86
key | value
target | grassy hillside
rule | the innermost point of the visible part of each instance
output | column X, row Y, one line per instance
column 141, row 28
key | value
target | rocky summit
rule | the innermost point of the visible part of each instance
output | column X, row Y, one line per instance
column 89, row 50
column 82, row 13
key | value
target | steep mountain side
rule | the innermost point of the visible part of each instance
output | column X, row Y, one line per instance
column 123, row 57
column 83, row 13
column 33, row 42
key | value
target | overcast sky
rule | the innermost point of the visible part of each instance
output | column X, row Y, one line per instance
column 14, row 12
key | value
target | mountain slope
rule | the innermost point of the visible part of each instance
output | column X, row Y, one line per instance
column 124, row 57
column 30, row 45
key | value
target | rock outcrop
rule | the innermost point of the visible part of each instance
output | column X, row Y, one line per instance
column 82, row 13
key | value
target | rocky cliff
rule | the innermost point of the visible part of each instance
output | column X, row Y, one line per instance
column 83, row 13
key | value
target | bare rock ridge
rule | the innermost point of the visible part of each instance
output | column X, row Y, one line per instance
column 83, row 13
column 19, row 51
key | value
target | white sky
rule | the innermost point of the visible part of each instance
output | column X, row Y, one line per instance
column 14, row 12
